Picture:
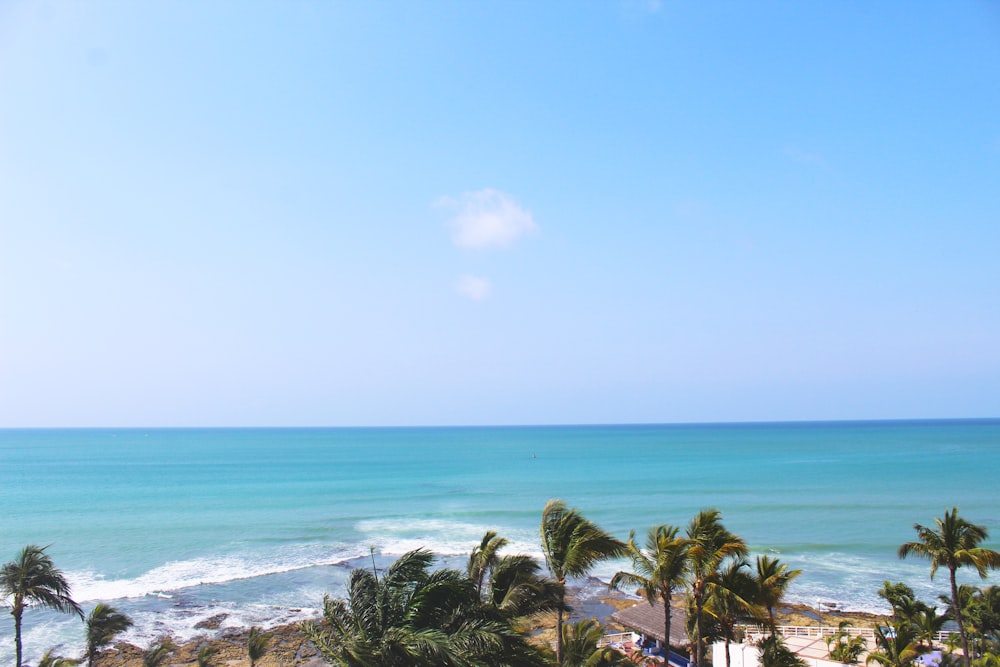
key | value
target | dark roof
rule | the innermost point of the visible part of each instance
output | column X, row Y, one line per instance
column 647, row 619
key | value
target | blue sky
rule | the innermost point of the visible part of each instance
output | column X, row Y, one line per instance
column 332, row 213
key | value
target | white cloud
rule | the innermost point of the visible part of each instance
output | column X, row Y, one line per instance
column 474, row 287
column 487, row 219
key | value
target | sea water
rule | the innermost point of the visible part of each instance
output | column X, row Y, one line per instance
column 252, row 526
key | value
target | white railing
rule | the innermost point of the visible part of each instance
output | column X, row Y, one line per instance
column 617, row 638
column 818, row 631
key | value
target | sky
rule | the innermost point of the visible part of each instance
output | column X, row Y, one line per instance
column 320, row 213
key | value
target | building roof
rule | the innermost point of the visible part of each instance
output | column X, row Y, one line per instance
column 647, row 619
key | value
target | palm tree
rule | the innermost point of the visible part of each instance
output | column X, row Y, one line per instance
column 954, row 544
column 572, row 545
column 711, row 544
column 658, row 570
column 103, row 624
column 49, row 660
column 771, row 579
column 157, row 652
column 774, row 653
column 413, row 616
column 897, row 646
column 580, row 646
column 844, row 648
column 484, row 557
column 33, row 579
column 205, row 655
column 730, row 599
column 517, row 588
column 256, row 645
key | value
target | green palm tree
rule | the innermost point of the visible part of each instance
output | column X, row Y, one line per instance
column 205, row 655
column 580, row 641
column 774, row 653
column 897, row 646
column 33, row 579
column 49, row 660
column 484, row 557
column 711, row 544
column 518, row 589
column 103, row 624
column 256, row 645
column 572, row 545
column 731, row 599
column 844, row 648
column 771, row 578
column 927, row 623
column 414, row 616
column 157, row 653
column 953, row 544
column 658, row 570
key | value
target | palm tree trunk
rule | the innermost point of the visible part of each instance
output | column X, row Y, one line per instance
column 774, row 628
column 727, row 649
column 666, row 624
column 699, row 646
column 16, row 613
column 559, row 624
column 956, row 609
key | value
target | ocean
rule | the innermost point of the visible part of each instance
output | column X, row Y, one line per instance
column 252, row 526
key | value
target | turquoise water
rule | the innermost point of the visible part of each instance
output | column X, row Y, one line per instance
column 177, row 525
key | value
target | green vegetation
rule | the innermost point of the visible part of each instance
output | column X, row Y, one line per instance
column 157, row 653
column 953, row 544
column 658, row 570
column 414, row 614
column 572, row 545
column 32, row 579
column 257, row 643
column 103, row 623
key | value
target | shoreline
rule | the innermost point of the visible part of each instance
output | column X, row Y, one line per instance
column 289, row 648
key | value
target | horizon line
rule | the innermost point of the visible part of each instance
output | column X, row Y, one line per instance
column 762, row 422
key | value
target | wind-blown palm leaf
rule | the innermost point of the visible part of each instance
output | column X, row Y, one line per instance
column 771, row 578
column 572, row 545
column 897, row 646
column 731, row 599
column 34, row 580
column 49, row 660
column 414, row 616
column 485, row 557
column 103, row 624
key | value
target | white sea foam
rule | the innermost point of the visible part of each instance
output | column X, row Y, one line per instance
column 178, row 575
column 443, row 537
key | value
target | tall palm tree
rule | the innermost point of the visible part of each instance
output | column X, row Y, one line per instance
column 953, row 544
column 33, row 579
column 731, row 599
column 256, row 645
column 414, row 616
column 103, row 624
column 658, row 570
column 572, row 545
column 771, row 578
column 711, row 544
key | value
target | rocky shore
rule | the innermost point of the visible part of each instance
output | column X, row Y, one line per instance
column 289, row 648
